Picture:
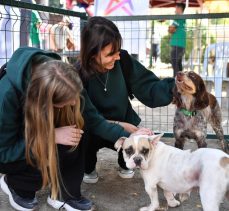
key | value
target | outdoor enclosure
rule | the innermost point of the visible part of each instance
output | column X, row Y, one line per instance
column 207, row 48
column 207, row 53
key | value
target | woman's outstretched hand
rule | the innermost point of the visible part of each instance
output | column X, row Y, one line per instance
column 143, row 131
column 128, row 127
column 68, row 135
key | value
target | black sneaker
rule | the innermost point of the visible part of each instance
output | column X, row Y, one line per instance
column 16, row 201
column 81, row 204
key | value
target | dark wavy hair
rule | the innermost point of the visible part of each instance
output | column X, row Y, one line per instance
column 96, row 34
column 181, row 5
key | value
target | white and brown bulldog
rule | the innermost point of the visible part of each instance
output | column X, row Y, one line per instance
column 177, row 171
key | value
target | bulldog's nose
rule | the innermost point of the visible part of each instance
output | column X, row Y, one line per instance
column 137, row 161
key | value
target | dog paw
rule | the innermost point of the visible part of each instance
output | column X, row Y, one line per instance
column 174, row 203
column 149, row 208
column 183, row 197
column 162, row 208
column 143, row 209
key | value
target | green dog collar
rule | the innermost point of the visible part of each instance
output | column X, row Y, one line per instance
column 188, row 113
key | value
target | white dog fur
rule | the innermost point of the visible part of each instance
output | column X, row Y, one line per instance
column 177, row 171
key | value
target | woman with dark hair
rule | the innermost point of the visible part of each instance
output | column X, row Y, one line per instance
column 110, row 76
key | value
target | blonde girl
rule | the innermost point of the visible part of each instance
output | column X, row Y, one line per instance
column 41, row 131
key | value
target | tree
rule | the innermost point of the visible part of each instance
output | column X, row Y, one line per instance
column 165, row 47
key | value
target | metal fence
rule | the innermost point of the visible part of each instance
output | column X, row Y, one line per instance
column 206, row 52
column 145, row 37
column 25, row 24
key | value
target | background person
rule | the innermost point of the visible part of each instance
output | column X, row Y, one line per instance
column 34, row 29
column 178, row 39
column 61, row 37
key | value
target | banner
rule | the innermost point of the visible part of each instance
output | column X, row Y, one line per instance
column 121, row 7
column 134, row 33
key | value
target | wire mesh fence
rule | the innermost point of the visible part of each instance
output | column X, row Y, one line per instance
column 24, row 24
column 206, row 52
column 145, row 37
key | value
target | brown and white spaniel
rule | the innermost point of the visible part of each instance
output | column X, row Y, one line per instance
column 195, row 108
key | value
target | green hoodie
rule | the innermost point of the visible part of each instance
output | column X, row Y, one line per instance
column 12, row 93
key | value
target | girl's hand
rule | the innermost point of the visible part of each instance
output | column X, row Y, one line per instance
column 143, row 131
column 68, row 135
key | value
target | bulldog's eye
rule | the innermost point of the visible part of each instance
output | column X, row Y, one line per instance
column 129, row 151
column 145, row 151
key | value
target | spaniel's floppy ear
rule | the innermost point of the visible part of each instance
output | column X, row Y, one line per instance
column 119, row 143
column 202, row 100
column 176, row 97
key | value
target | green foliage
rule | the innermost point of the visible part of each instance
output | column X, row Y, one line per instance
column 165, row 49
column 219, row 21
column 189, row 44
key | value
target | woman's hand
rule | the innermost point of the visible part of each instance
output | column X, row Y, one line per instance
column 128, row 127
column 143, row 131
column 68, row 135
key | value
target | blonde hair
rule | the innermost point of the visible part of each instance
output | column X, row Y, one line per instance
column 52, row 82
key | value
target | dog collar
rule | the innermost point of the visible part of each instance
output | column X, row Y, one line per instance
column 187, row 112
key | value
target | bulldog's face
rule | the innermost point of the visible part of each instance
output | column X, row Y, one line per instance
column 137, row 149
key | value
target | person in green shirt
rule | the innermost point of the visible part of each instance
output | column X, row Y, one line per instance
column 101, row 67
column 178, row 39
column 34, row 29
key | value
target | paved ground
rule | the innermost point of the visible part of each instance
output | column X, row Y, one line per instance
column 112, row 193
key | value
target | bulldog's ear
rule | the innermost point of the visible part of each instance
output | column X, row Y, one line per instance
column 119, row 143
column 155, row 138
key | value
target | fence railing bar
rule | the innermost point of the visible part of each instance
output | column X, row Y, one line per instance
column 37, row 7
column 209, row 136
column 169, row 17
